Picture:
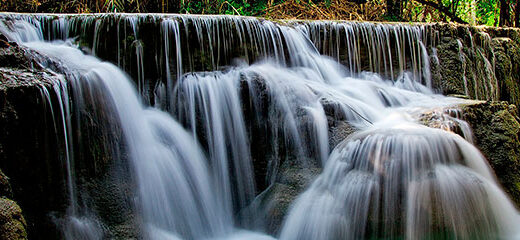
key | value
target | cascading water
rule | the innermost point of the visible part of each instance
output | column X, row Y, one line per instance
column 162, row 153
column 399, row 180
column 394, row 179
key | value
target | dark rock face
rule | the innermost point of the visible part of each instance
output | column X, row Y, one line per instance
column 12, row 223
column 292, row 178
column 497, row 134
column 28, row 139
column 32, row 151
column 448, row 75
column 5, row 186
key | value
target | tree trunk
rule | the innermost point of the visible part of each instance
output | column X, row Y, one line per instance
column 505, row 19
column 517, row 14
column 443, row 9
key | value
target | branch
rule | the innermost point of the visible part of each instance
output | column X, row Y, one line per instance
column 443, row 9
column 220, row 9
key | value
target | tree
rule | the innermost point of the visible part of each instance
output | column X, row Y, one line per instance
column 517, row 14
column 505, row 18
column 439, row 6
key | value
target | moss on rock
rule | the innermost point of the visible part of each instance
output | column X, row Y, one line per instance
column 452, row 64
column 12, row 223
column 507, row 68
column 481, row 62
column 497, row 134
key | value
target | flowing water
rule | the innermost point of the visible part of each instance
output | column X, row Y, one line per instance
column 193, row 135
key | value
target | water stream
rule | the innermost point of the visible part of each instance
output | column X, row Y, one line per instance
column 191, row 136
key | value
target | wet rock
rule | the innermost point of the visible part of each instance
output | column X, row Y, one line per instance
column 4, row 42
column 338, row 131
column 274, row 203
column 480, row 62
column 12, row 223
column 295, row 174
column 497, row 134
column 272, row 206
column 29, row 152
column 494, row 129
column 449, row 77
column 125, row 231
column 507, row 69
column 5, row 186
column 298, row 174
column 338, row 126
column 32, row 149
column 448, row 119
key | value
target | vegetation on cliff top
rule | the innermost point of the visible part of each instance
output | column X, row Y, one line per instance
column 487, row 12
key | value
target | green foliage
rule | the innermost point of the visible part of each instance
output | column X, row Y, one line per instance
column 229, row 7
column 487, row 12
column 114, row 6
column 192, row 7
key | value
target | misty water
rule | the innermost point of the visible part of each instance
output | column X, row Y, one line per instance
column 190, row 141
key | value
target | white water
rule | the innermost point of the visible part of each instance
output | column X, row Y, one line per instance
column 393, row 179
column 176, row 196
column 400, row 180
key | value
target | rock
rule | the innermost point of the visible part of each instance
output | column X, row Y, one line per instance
column 32, row 149
column 298, row 174
column 129, row 230
column 5, row 186
column 272, row 206
column 448, row 119
column 29, row 145
column 507, row 69
column 293, row 178
column 451, row 64
column 12, row 223
column 338, row 131
column 480, row 62
column 496, row 129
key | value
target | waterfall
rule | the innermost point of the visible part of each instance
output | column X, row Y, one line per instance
column 209, row 104
column 399, row 180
